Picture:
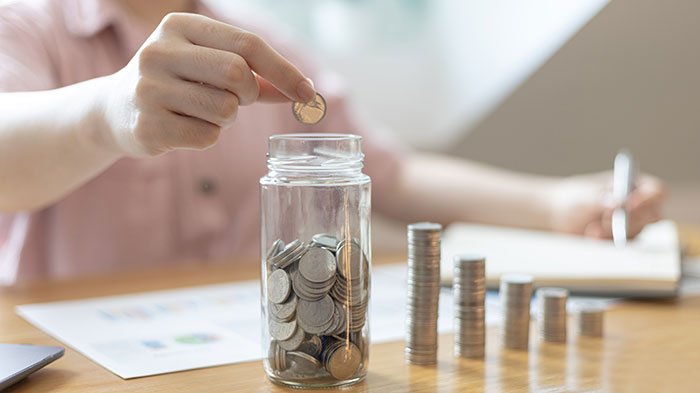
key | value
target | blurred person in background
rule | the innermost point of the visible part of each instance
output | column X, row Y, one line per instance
column 106, row 106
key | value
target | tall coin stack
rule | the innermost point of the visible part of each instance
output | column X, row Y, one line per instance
column 589, row 316
column 470, row 295
column 423, row 292
column 515, row 294
column 551, row 313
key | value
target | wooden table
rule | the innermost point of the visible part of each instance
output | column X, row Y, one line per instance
column 648, row 346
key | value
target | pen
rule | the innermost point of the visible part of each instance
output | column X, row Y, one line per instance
column 623, row 183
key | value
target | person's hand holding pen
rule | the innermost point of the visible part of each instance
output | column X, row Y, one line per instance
column 585, row 205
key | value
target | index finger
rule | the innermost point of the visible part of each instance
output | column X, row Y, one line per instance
column 261, row 57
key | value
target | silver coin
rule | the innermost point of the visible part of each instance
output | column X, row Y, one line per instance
column 326, row 241
column 285, row 311
column 277, row 357
column 282, row 358
column 275, row 248
column 286, row 258
column 288, row 249
column 282, row 330
column 342, row 318
column 349, row 256
column 278, row 286
column 312, row 345
column 310, row 112
column 295, row 341
column 272, row 355
column 303, row 362
column 304, row 293
column 424, row 227
column 318, row 265
column 316, row 313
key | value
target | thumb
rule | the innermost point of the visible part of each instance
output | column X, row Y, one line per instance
column 268, row 92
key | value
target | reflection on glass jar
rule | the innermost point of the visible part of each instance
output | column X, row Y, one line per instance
column 315, row 260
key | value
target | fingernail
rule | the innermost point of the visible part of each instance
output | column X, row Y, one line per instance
column 306, row 91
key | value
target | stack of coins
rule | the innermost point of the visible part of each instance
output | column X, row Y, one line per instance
column 423, row 292
column 551, row 313
column 317, row 298
column 589, row 318
column 469, row 295
column 515, row 294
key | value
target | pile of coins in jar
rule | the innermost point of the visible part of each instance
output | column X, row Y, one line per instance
column 317, row 297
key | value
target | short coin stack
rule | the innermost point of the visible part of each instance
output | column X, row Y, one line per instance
column 515, row 294
column 423, row 292
column 551, row 313
column 589, row 318
column 469, row 295
column 317, row 304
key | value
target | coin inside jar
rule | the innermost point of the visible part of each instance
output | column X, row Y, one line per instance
column 284, row 312
column 344, row 361
column 325, row 241
column 278, row 286
column 349, row 259
column 275, row 248
column 317, row 265
column 295, row 341
column 310, row 112
column 316, row 313
column 303, row 362
column 282, row 330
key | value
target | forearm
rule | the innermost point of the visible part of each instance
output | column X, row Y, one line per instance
column 443, row 189
column 50, row 144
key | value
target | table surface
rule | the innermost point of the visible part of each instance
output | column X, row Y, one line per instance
column 648, row 346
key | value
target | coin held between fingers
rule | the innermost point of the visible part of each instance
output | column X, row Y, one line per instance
column 310, row 112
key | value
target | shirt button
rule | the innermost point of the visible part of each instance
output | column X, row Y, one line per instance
column 207, row 186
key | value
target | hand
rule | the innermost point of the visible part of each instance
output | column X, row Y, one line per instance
column 186, row 82
column 583, row 205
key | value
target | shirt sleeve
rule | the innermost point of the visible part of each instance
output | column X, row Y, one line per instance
column 25, row 63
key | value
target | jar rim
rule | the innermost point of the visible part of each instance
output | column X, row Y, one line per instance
column 316, row 136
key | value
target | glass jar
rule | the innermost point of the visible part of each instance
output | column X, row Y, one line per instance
column 315, row 259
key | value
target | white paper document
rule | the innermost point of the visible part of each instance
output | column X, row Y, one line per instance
column 650, row 265
column 158, row 332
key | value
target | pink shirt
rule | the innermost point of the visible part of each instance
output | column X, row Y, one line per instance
column 181, row 206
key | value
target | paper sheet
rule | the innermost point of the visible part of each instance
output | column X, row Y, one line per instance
column 165, row 331
column 648, row 266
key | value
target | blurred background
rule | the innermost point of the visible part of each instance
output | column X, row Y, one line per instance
column 543, row 86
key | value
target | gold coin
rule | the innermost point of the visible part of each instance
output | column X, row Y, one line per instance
column 310, row 112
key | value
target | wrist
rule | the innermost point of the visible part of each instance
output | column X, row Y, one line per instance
column 93, row 131
column 545, row 195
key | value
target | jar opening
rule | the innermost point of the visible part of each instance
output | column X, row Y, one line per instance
column 315, row 153
column 316, row 137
